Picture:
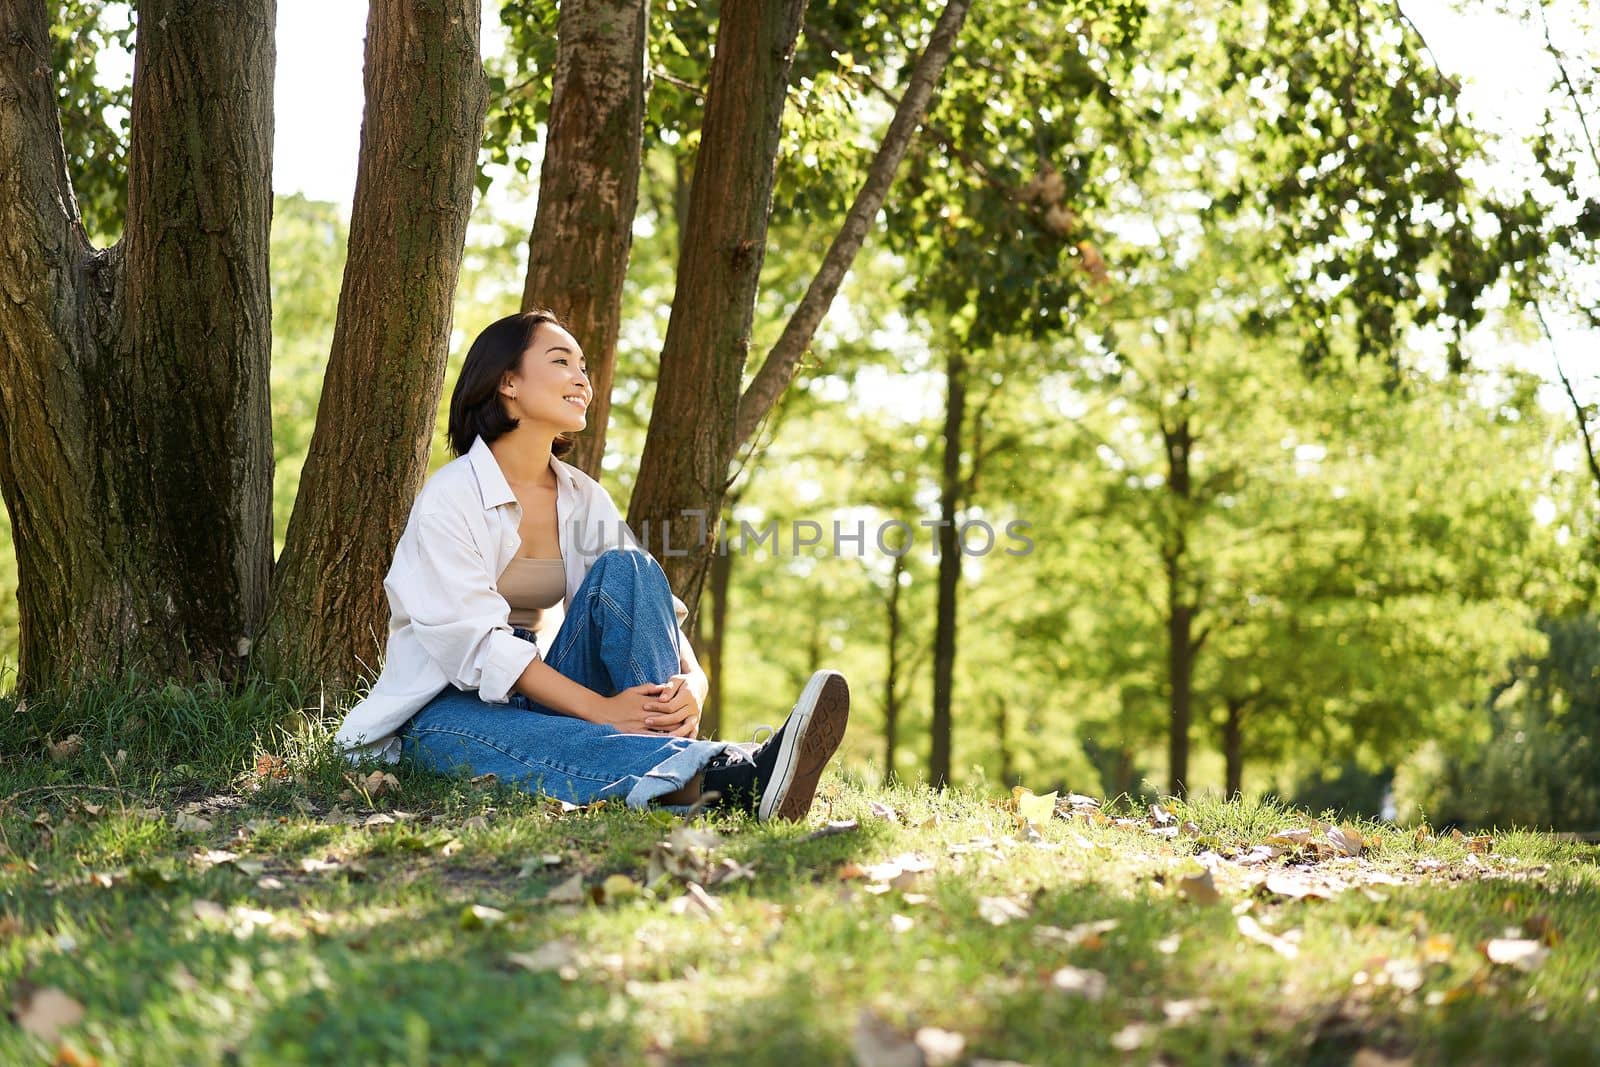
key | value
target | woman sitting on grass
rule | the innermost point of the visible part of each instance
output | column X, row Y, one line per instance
column 612, row 707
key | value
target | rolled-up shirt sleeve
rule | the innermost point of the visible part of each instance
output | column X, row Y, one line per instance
column 445, row 587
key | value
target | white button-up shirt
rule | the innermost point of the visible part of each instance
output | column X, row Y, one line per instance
column 448, row 623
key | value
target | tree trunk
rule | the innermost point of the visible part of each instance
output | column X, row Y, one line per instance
column 721, row 582
column 425, row 101
column 588, row 190
column 1180, row 611
column 777, row 370
column 1002, row 732
column 891, row 682
column 1232, row 746
column 690, row 442
column 134, row 412
column 944, row 639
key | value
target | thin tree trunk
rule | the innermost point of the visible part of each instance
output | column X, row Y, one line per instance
column 589, row 190
column 1002, row 732
column 425, row 101
column 690, row 443
column 1180, row 612
column 135, row 437
column 1233, row 746
column 777, row 370
column 721, row 583
column 944, row 639
column 891, row 682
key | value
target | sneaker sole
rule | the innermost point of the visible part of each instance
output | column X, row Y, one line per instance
column 816, row 727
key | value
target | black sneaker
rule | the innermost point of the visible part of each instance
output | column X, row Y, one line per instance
column 790, row 763
column 778, row 779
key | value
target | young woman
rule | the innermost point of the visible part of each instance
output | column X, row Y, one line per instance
column 612, row 707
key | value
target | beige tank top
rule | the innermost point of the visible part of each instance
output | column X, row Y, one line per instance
column 529, row 586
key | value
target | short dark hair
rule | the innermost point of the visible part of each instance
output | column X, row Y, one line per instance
column 475, row 407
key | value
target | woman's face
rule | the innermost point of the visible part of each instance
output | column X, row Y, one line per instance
column 551, row 388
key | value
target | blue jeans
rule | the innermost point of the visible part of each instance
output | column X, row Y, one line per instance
column 619, row 632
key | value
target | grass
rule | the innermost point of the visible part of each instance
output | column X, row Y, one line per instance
column 198, row 911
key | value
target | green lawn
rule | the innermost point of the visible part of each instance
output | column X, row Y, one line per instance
column 154, row 913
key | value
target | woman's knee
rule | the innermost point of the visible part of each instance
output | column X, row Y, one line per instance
column 628, row 565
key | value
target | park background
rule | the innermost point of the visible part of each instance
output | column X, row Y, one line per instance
column 1385, row 564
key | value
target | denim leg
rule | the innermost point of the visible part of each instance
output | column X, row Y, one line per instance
column 563, row 757
column 620, row 630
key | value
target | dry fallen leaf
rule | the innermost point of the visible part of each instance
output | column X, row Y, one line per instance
column 1481, row 844
column 1087, row 935
column 558, row 955
column 1199, row 887
column 1438, row 948
column 47, row 1012
column 884, row 811
column 478, row 916
column 190, row 823
column 66, row 748
column 570, row 891
column 697, row 901
column 1032, row 808
column 272, row 768
column 1291, row 885
column 1289, row 838
column 1130, row 1037
column 939, row 1048
column 1255, row 932
column 209, row 911
column 1091, row 985
column 1524, row 954
column 997, row 911
column 1344, row 841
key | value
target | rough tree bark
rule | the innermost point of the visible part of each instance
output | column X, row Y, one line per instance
column 589, row 189
column 425, row 101
column 690, row 442
column 135, row 436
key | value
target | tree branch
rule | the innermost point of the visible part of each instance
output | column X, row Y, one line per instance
column 778, row 369
column 1577, row 407
column 1572, row 92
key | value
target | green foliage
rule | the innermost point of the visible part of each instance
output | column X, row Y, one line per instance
column 1532, row 755
column 308, row 250
column 95, row 106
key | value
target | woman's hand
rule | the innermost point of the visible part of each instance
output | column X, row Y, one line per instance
column 629, row 710
column 676, row 711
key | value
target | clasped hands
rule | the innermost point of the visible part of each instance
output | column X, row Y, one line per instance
column 671, row 708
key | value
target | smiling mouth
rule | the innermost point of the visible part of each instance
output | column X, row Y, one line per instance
column 576, row 401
